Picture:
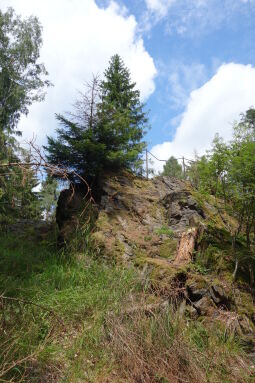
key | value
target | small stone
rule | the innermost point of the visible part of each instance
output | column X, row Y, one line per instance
column 191, row 312
column 204, row 305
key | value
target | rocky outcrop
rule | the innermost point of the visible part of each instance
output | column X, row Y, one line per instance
column 141, row 218
column 159, row 225
column 138, row 219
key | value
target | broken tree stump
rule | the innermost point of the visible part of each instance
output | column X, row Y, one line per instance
column 186, row 247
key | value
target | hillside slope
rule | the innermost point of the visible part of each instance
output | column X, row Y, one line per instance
column 142, row 292
column 180, row 241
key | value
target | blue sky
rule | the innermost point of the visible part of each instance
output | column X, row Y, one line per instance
column 193, row 60
column 189, row 43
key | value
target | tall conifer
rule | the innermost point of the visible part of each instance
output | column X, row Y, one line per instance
column 114, row 139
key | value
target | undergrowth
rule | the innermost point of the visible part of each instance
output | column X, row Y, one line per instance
column 70, row 316
column 52, row 309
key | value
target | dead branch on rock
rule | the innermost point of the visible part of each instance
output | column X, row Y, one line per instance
column 38, row 162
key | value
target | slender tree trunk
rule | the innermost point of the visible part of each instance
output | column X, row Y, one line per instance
column 251, row 271
column 234, row 237
column 236, row 267
column 236, row 257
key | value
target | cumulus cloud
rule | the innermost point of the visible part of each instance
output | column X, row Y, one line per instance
column 79, row 38
column 211, row 109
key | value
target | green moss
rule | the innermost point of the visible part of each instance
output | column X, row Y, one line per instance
column 163, row 273
column 140, row 183
column 168, row 248
column 245, row 304
column 140, row 253
column 98, row 240
column 156, row 210
column 199, row 197
column 103, row 221
column 127, row 201
column 118, row 249
column 162, row 277
column 198, row 280
column 209, row 205
column 140, row 261
column 165, row 230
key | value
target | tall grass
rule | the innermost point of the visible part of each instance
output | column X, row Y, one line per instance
column 70, row 316
column 163, row 347
column 50, row 299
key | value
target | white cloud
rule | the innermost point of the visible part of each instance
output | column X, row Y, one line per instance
column 160, row 7
column 211, row 109
column 79, row 38
column 182, row 79
column 194, row 17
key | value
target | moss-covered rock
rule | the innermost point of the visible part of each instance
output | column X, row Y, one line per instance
column 144, row 222
column 168, row 248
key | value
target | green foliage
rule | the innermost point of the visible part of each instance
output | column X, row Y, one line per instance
column 77, row 144
column 22, row 81
column 48, row 196
column 208, row 173
column 17, row 198
column 228, row 172
column 22, row 76
column 106, row 129
column 121, row 117
column 56, row 295
column 73, row 316
column 172, row 168
column 165, row 230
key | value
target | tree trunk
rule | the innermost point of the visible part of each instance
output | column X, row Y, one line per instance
column 251, row 275
column 236, row 268
column 186, row 247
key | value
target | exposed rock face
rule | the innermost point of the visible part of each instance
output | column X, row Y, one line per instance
column 157, row 224
column 182, row 209
column 146, row 219
column 138, row 218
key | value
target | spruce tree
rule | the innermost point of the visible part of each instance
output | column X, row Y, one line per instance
column 76, row 146
column 122, row 120
column 172, row 168
column 106, row 131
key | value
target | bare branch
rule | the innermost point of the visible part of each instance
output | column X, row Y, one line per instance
column 38, row 162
